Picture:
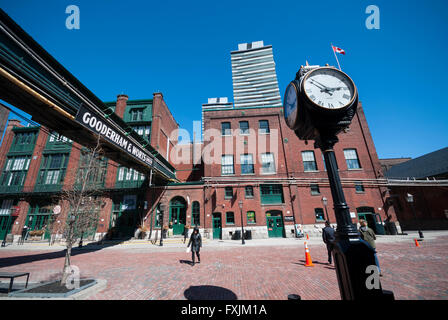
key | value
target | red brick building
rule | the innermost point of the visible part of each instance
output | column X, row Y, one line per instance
column 248, row 156
column 427, row 181
column 37, row 164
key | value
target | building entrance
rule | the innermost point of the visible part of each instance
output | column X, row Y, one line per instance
column 178, row 215
column 274, row 223
column 217, row 226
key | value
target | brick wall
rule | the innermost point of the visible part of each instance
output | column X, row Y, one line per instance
column 163, row 126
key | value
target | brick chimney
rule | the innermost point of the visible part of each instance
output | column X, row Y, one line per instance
column 121, row 104
column 7, row 139
column 14, row 123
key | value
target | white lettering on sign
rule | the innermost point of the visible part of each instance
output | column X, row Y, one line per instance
column 102, row 128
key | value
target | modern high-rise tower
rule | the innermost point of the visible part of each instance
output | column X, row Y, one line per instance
column 254, row 77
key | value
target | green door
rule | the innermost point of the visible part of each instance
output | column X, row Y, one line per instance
column 5, row 226
column 178, row 215
column 39, row 218
column 217, row 227
column 378, row 224
column 124, row 218
column 274, row 223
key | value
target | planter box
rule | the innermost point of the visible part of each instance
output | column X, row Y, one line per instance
column 35, row 292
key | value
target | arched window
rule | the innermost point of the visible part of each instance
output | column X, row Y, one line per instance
column 195, row 214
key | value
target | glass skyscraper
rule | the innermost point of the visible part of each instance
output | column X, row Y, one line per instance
column 254, row 77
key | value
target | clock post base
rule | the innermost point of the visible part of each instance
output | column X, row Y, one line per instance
column 354, row 259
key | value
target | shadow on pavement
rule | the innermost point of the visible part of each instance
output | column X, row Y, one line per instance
column 209, row 293
column 90, row 247
column 186, row 262
column 302, row 263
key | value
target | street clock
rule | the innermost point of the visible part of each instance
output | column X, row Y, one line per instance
column 319, row 99
column 328, row 89
column 318, row 104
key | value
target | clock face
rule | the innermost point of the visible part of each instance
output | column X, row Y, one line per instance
column 329, row 88
column 290, row 105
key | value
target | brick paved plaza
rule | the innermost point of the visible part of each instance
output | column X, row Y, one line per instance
column 262, row 269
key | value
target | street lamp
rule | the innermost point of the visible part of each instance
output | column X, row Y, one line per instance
column 242, row 229
column 325, row 202
column 410, row 200
column 161, row 209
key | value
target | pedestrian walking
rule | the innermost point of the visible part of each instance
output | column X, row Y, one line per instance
column 196, row 244
column 186, row 228
column 328, row 238
column 24, row 234
column 368, row 235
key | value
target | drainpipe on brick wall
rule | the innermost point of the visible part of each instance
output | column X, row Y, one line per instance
column 370, row 157
column 203, row 201
column 287, row 175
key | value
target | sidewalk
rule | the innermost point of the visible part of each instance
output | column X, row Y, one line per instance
column 259, row 270
column 176, row 244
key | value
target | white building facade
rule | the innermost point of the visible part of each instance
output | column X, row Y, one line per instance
column 254, row 77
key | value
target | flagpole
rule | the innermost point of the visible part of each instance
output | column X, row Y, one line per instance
column 332, row 48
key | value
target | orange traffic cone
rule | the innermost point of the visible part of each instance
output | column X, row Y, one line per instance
column 308, row 261
column 416, row 242
column 307, row 237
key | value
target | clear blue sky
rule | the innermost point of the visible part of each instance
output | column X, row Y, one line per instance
column 182, row 48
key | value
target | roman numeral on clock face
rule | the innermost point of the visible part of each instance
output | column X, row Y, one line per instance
column 346, row 97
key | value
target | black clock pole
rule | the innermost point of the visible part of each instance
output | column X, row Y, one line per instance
column 356, row 270
column 351, row 255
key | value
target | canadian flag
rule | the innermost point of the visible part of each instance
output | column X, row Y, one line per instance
column 338, row 50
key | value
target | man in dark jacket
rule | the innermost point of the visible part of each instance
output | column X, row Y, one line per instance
column 186, row 232
column 328, row 237
column 196, row 244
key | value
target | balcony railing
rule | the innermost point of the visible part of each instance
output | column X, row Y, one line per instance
column 47, row 187
column 11, row 189
column 129, row 184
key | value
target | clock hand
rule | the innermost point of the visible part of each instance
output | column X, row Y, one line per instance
column 335, row 89
column 322, row 89
column 321, row 84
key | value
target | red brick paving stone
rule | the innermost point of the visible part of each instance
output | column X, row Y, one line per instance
column 249, row 272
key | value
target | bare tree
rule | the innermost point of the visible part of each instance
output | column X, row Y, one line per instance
column 83, row 198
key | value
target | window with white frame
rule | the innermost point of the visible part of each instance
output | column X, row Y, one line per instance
column 267, row 163
column 247, row 164
column 127, row 174
column 53, row 168
column 351, row 157
column 56, row 137
column 263, row 126
column 136, row 114
column 5, row 209
column 143, row 131
column 309, row 161
column 244, row 127
column 15, row 171
column 227, row 165
column 226, row 129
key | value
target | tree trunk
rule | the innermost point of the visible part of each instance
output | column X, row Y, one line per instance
column 67, row 264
